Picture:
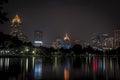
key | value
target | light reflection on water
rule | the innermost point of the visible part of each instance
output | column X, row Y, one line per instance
column 67, row 68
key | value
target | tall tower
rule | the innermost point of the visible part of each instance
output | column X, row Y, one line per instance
column 67, row 44
column 103, row 41
column 96, row 42
column 38, row 38
column 116, row 38
column 16, row 29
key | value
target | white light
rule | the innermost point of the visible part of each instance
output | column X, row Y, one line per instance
column 38, row 42
column 33, row 52
column 6, row 62
column 27, row 64
column 1, row 62
column 27, row 50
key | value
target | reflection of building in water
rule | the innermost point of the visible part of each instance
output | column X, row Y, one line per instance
column 104, row 63
column 56, row 66
column 67, row 69
column 100, row 63
column 26, row 65
column 95, row 64
column 1, row 63
column 111, row 64
column 38, row 69
column 66, row 74
column 4, row 62
column 105, row 67
column 33, row 62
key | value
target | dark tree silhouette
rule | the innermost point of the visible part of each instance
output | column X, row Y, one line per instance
column 77, row 49
column 7, row 41
column 3, row 14
column 118, row 50
column 89, row 49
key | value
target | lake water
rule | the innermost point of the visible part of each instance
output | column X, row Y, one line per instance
column 59, row 68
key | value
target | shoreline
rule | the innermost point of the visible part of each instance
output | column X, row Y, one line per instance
column 59, row 55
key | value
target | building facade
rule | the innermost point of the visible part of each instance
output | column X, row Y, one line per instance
column 58, row 43
column 16, row 29
column 38, row 38
column 116, row 38
column 67, row 44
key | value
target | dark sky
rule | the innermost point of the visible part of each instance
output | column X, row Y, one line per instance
column 79, row 18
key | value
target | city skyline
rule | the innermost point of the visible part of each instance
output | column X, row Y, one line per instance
column 80, row 19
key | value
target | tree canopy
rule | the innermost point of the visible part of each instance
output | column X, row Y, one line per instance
column 3, row 14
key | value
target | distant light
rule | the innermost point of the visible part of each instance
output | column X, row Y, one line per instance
column 99, row 49
column 21, row 51
column 66, row 37
column 16, row 19
column 38, row 42
column 38, row 71
column 27, row 65
column 27, row 50
column 33, row 52
column 105, row 35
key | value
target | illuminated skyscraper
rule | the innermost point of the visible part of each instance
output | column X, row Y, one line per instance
column 116, row 38
column 109, row 42
column 38, row 37
column 58, row 43
column 95, row 41
column 67, row 44
column 103, row 41
column 16, row 28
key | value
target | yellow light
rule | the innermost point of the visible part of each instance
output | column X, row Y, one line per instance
column 26, row 49
column 66, row 74
column 27, row 65
column 16, row 19
column 66, row 37
column 33, row 52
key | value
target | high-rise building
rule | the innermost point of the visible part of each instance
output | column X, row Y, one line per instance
column 103, row 41
column 67, row 43
column 96, row 41
column 38, row 38
column 109, row 43
column 116, row 38
column 16, row 29
column 58, row 43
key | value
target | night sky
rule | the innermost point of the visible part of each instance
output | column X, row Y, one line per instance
column 79, row 18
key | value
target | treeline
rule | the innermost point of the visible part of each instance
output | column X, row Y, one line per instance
column 79, row 50
column 8, row 42
column 3, row 14
column 17, row 46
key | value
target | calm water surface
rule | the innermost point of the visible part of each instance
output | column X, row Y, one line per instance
column 57, row 68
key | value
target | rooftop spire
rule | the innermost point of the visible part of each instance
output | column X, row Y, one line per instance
column 16, row 19
column 66, row 37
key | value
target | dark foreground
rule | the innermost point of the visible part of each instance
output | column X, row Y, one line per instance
column 60, row 68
